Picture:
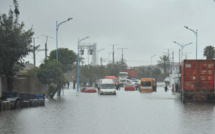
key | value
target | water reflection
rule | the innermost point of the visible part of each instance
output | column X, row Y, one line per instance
column 198, row 118
column 128, row 112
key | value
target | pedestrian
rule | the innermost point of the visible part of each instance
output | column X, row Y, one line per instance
column 68, row 83
column 165, row 87
column 74, row 82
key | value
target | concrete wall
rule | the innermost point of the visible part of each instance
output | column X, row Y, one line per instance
column 25, row 84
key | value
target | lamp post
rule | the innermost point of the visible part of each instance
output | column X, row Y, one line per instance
column 57, row 27
column 151, row 66
column 78, row 62
column 182, row 47
column 196, row 33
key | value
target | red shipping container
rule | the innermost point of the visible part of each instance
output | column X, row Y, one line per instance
column 197, row 75
column 132, row 73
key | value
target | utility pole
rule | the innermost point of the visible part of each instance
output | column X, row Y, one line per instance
column 122, row 52
column 34, row 49
column 98, row 54
column 179, row 60
column 45, row 46
column 122, row 58
column 101, row 61
column 169, row 68
column 172, row 57
column 113, row 53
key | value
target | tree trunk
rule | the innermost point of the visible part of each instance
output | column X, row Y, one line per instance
column 51, row 95
column 9, row 83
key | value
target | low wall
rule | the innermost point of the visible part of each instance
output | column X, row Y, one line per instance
column 27, row 84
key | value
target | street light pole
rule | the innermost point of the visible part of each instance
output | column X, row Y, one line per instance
column 196, row 33
column 57, row 27
column 182, row 47
column 151, row 66
column 78, row 62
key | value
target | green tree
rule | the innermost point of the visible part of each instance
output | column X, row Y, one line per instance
column 65, row 56
column 163, row 62
column 99, row 72
column 14, row 44
column 156, row 73
column 51, row 72
column 141, row 71
column 114, row 69
column 209, row 52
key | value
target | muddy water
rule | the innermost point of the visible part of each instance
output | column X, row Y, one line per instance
column 128, row 112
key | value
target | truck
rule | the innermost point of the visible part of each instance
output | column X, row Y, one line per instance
column 115, row 81
column 106, row 86
column 16, row 100
column 123, row 76
column 132, row 73
column 197, row 81
column 20, row 100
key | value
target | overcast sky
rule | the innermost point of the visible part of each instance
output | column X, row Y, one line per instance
column 144, row 27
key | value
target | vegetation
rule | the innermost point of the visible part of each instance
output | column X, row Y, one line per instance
column 51, row 72
column 14, row 43
column 97, row 72
column 163, row 62
column 144, row 72
column 209, row 52
column 65, row 56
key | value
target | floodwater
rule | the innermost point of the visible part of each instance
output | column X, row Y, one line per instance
column 128, row 112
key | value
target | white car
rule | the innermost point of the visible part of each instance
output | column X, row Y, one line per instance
column 124, row 82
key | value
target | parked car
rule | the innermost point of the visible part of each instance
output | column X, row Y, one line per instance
column 136, row 83
column 125, row 81
column 130, row 87
column 89, row 90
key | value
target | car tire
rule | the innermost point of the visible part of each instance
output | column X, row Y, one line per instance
column 17, row 104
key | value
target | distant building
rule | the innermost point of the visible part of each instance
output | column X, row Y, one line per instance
column 27, row 67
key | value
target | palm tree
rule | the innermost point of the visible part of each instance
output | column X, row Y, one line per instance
column 209, row 52
column 163, row 62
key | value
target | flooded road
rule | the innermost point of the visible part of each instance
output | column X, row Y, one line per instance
column 128, row 112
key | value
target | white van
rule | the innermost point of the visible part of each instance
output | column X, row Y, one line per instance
column 107, row 86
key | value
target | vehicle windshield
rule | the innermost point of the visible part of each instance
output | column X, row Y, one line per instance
column 123, row 75
column 145, row 83
column 129, row 85
column 88, row 88
column 115, row 80
column 107, row 86
column 122, row 80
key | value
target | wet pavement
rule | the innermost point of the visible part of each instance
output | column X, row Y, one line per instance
column 128, row 112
